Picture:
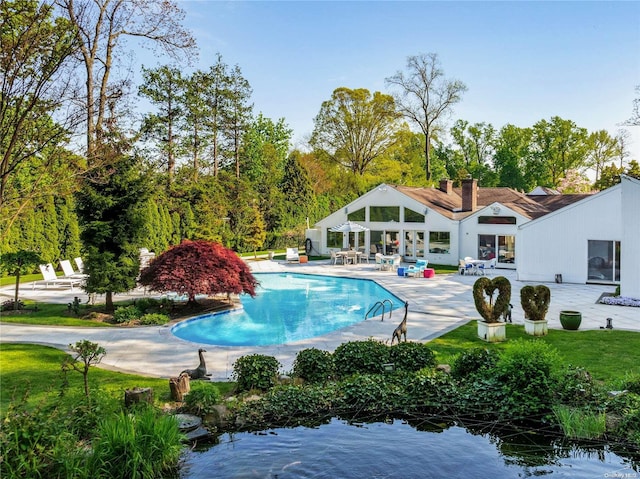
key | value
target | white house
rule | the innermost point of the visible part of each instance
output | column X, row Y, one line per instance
column 540, row 234
column 596, row 239
column 440, row 224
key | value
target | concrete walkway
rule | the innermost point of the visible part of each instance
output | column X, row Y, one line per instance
column 436, row 305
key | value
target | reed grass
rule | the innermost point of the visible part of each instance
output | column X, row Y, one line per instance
column 580, row 423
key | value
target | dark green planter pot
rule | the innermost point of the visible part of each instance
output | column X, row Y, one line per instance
column 570, row 319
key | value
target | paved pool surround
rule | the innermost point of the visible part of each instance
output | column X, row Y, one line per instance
column 436, row 305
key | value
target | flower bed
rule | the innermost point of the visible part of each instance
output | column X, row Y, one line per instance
column 620, row 301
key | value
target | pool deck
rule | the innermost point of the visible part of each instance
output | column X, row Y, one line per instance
column 436, row 305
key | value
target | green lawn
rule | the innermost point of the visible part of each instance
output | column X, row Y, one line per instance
column 51, row 315
column 36, row 369
column 11, row 280
column 608, row 355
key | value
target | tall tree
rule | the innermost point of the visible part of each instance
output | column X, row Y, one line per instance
column 601, row 149
column 559, row 146
column 165, row 88
column 262, row 134
column 511, row 158
column 299, row 200
column 35, row 51
column 354, row 128
column 237, row 113
column 622, row 143
column 196, row 137
column 111, row 207
column 215, row 90
column 100, row 27
column 634, row 120
column 424, row 96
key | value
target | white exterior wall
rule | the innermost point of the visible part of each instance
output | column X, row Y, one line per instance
column 470, row 229
column 630, row 246
column 387, row 196
column 557, row 243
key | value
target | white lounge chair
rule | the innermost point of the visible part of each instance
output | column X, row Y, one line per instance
column 68, row 271
column 292, row 256
column 49, row 277
column 79, row 264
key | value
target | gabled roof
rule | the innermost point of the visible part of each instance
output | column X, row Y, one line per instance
column 450, row 205
column 543, row 190
column 555, row 202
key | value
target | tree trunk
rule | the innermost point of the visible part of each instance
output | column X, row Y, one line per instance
column 137, row 395
column 179, row 387
column 108, row 302
column 427, row 165
column 15, row 301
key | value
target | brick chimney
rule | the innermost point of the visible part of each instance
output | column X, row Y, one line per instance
column 469, row 194
column 446, row 186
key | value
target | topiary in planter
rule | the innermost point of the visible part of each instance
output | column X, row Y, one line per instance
column 492, row 310
column 535, row 301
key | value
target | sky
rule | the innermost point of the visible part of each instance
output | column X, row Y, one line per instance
column 521, row 61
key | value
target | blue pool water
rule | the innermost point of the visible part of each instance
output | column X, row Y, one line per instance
column 288, row 307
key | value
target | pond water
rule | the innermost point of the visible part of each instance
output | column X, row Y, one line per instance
column 397, row 449
column 289, row 307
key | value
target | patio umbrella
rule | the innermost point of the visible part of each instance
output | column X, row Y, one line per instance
column 348, row 227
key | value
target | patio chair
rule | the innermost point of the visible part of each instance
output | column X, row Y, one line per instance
column 461, row 266
column 379, row 261
column 395, row 263
column 49, row 277
column 490, row 265
column 79, row 264
column 417, row 270
column 351, row 257
column 292, row 256
column 68, row 271
column 335, row 258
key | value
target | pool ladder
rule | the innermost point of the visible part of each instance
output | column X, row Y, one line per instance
column 376, row 307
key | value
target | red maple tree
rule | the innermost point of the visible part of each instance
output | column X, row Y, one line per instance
column 199, row 267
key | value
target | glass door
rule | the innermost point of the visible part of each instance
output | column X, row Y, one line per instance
column 507, row 249
column 413, row 244
column 486, row 247
column 604, row 261
column 495, row 246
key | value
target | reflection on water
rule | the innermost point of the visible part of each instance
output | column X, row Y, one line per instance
column 399, row 449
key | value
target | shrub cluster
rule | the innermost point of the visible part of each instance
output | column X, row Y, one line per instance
column 145, row 311
column 202, row 398
column 524, row 383
column 255, row 371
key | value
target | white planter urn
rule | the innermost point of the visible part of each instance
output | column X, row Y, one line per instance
column 536, row 328
column 492, row 332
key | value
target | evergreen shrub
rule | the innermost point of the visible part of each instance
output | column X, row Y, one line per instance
column 472, row 361
column 154, row 318
column 126, row 314
column 202, row 398
column 360, row 357
column 314, row 365
column 255, row 371
column 529, row 373
column 411, row 356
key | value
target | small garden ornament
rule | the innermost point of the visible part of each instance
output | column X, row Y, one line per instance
column 535, row 303
column 490, row 328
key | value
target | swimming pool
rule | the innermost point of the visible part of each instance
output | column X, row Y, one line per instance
column 288, row 307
